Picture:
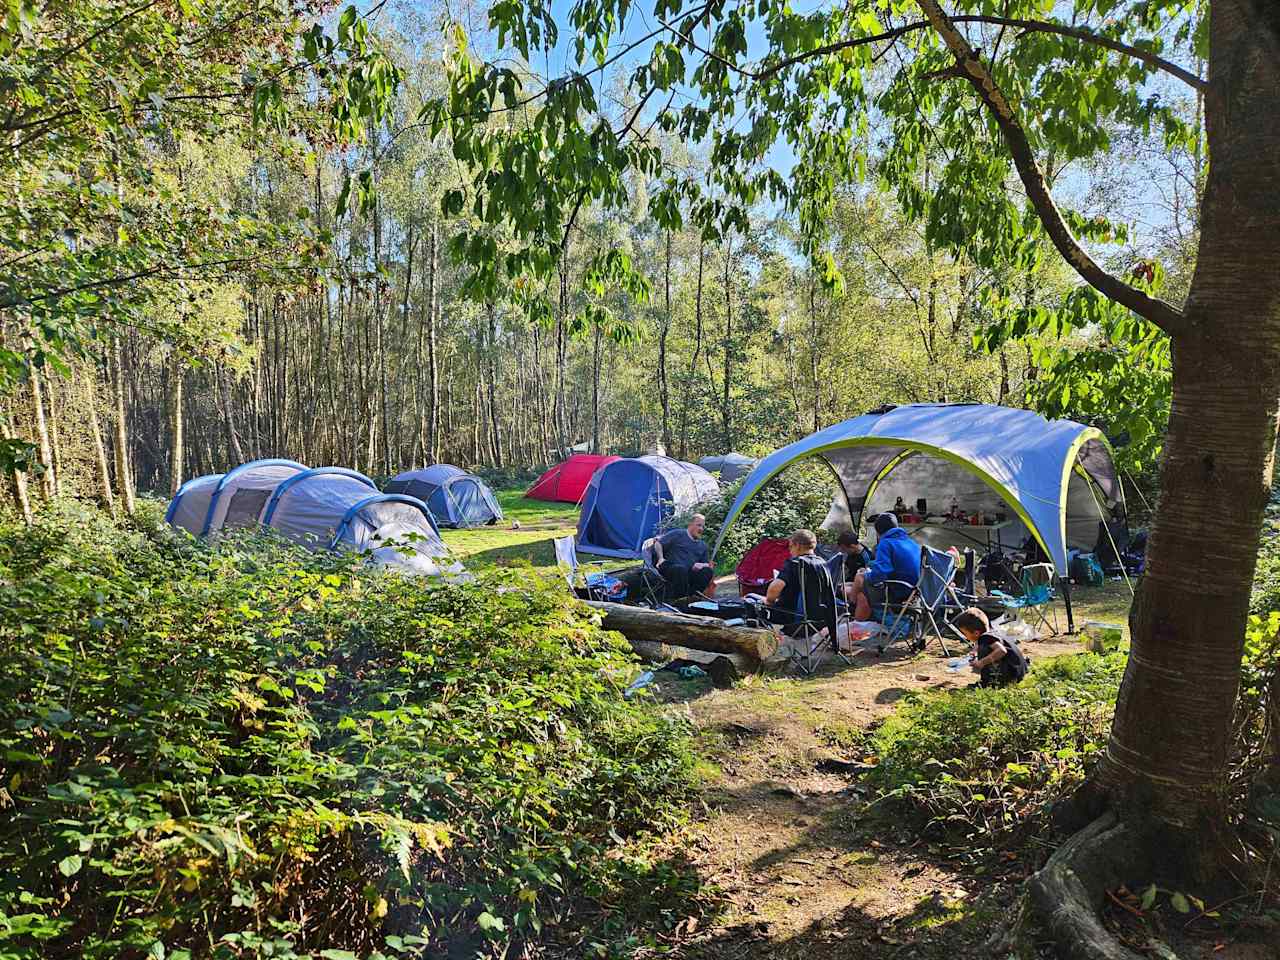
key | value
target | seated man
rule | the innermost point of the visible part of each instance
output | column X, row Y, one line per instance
column 850, row 557
column 897, row 558
column 682, row 558
column 802, row 590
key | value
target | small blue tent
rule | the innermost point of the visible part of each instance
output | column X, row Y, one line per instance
column 629, row 500
column 454, row 497
column 1055, row 476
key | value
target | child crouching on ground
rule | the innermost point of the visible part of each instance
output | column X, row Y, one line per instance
column 997, row 660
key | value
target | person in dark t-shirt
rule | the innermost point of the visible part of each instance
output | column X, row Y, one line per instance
column 802, row 594
column 998, row 661
column 682, row 557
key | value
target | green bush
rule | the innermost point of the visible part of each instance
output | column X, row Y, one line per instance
column 245, row 751
column 799, row 496
column 977, row 761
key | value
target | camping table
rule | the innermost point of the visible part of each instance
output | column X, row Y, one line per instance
column 965, row 530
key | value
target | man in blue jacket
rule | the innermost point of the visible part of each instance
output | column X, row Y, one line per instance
column 897, row 559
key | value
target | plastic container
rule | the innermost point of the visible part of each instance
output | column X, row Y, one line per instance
column 1099, row 637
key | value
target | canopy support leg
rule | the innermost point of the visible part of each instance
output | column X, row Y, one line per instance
column 1066, row 599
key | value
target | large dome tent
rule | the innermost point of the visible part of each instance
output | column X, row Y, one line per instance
column 629, row 500
column 454, row 497
column 1055, row 478
column 307, row 507
column 567, row 481
column 190, row 505
column 241, row 495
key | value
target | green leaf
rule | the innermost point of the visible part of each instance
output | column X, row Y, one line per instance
column 70, row 866
column 338, row 955
column 491, row 924
column 1149, row 897
column 156, row 952
column 1179, row 902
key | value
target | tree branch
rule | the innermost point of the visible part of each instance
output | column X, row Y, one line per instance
column 1162, row 314
column 1028, row 26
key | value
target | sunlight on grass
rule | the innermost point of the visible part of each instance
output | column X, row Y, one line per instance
column 501, row 546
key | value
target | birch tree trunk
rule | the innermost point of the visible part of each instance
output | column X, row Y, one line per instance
column 124, row 479
column 177, row 452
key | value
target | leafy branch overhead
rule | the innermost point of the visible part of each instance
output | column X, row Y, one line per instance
column 101, row 105
column 872, row 84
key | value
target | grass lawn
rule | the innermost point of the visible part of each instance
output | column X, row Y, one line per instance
column 500, row 545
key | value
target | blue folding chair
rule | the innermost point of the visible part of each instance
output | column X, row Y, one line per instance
column 930, row 604
column 1036, row 583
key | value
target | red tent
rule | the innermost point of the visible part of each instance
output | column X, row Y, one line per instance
column 759, row 565
column 568, row 481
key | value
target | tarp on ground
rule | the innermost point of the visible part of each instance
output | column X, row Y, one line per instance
column 454, row 497
column 566, row 482
column 630, row 500
column 1044, row 474
column 730, row 466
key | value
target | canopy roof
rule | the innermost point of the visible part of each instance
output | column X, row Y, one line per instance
column 567, row 481
column 1025, row 459
column 454, row 497
column 628, row 500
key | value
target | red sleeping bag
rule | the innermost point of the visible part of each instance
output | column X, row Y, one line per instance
column 761, row 562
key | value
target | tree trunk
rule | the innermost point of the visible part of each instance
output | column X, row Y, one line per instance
column 102, row 465
column 491, row 388
column 693, row 359
column 664, row 328
column 43, row 444
column 433, row 371
column 124, row 479
column 17, row 478
column 177, row 453
column 726, row 414
column 1165, row 781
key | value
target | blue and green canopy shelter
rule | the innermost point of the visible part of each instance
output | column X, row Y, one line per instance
column 454, row 497
column 629, row 500
column 1054, row 478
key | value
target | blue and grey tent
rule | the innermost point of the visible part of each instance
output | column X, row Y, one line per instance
column 454, row 497
column 730, row 466
column 190, row 505
column 1055, row 478
column 629, row 500
column 330, row 508
column 230, row 501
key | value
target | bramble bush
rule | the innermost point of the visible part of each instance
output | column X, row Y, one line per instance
column 248, row 751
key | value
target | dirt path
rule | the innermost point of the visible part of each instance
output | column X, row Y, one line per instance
column 788, row 840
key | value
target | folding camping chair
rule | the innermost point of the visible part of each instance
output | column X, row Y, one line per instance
column 654, row 584
column 811, row 630
column 1036, row 583
column 567, row 561
column 929, row 605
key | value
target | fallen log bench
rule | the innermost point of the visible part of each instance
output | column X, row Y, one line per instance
column 649, row 629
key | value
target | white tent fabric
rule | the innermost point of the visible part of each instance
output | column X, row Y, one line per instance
column 241, row 495
column 396, row 529
column 190, row 505
column 989, row 457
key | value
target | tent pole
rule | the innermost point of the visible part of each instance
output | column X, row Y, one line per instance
column 1066, row 599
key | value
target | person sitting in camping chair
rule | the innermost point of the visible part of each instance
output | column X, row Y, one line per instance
column 682, row 558
column 802, row 598
column 897, row 559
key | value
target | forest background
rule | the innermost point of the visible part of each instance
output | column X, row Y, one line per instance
column 192, row 283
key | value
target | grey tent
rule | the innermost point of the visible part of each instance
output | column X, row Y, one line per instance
column 730, row 466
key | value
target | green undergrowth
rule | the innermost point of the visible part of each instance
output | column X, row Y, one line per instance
column 245, row 751
column 980, row 763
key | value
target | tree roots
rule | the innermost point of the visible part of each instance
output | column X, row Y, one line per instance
column 1069, row 891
